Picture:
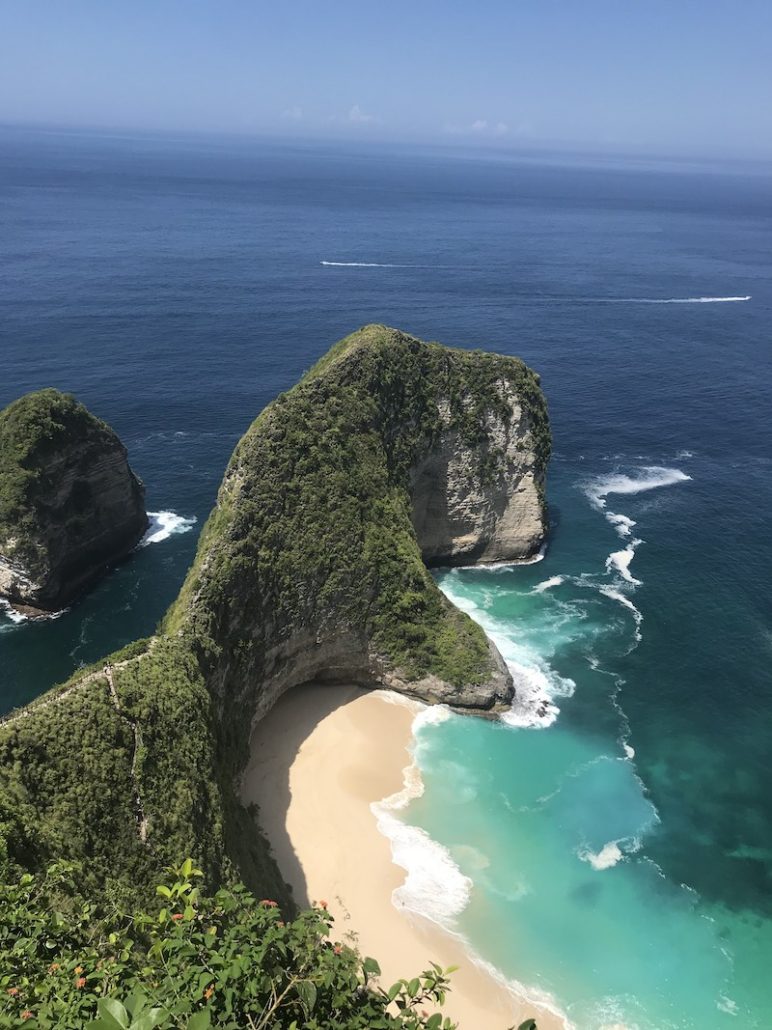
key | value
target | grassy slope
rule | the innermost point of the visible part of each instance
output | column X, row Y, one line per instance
column 312, row 528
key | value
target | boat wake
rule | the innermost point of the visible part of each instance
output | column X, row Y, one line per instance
column 672, row 300
column 364, row 264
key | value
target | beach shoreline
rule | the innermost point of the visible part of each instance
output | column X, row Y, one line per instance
column 322, row 762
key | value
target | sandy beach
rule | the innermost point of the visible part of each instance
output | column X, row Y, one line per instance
column 319, row 759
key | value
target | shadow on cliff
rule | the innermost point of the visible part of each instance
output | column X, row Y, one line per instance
column 274, row 747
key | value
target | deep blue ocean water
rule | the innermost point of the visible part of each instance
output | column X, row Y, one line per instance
column 621, row 857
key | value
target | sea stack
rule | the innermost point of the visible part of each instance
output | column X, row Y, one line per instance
column 70, row 506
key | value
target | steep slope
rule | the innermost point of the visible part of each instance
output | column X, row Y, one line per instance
column 70, row 506
column 389, row 453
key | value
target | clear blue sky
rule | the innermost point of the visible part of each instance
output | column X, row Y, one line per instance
column 676, row 77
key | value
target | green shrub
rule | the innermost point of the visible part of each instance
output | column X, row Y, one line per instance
column 190, row 961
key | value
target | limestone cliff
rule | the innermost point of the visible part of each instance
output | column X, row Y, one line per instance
column 482, row 503
column 70, row 506
column 390, row 453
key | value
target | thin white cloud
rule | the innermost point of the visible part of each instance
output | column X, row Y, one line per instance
column 294, row 114
column 358, row 117
column 479, row 127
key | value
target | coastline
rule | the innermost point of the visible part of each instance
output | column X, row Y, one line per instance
column 321, row 762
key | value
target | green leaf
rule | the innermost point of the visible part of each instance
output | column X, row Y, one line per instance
column 201, row 1021
column 113, row 1013
column 371, row 967
column 434, row 1022
column 529, row 1024
column 149, row 1019
column 163, row 890
column 307, row 995
column 413, row 987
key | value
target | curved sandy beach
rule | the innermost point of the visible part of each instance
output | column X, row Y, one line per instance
column 319, row 760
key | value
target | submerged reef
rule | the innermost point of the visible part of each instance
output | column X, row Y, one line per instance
column 390, row 455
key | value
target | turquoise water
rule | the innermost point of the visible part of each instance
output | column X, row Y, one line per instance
column 547, row 813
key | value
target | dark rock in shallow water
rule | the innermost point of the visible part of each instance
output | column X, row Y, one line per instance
column 70, row 506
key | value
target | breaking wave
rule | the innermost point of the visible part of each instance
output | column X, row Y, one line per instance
column 537, row 684
column 548, row 584
column 620, row 561
column 164, row 524
column 434, row 886
column 650, row 477
column 17, row 618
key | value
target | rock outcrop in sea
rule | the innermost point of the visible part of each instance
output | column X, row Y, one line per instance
column 70, row 506
column 389, row 455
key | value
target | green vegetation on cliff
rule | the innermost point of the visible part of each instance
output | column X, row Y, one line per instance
column 308, row 568
column 30, row 429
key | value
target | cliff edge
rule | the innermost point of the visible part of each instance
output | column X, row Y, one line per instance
column 389, row 454
column 70, row 506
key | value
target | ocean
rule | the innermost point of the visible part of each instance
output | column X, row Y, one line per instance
column 609, row 842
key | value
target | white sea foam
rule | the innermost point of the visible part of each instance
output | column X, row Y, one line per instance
column 16, row 618
column 629, row 751
column 164, row 524
column 511, row 563
column 622, row 523
column 725, row 1004
column 607, row 857
column 650, row 477
column 548, row 584
column 620, row 560
column 616, row 595
column 10, row 613
column 434, row 886
column 536, row 682
column 598, row 489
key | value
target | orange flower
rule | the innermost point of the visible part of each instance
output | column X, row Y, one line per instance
column 53, row 967
column 26, row 1014
column 78, row 970
column 13, row 991
column 267, row 903
column 177, row 916
column 338, row 950
column 80, row 982
column 209, row 992
column 323, row 904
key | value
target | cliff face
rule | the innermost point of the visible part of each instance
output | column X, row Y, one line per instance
column 70, row 506
column 480, row 503
column 390, row 453
column 312, row 567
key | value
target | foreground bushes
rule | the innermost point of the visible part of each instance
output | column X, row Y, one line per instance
column 190, row 962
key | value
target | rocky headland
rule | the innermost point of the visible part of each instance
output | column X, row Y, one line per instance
column 390, row 454
column 70, row 506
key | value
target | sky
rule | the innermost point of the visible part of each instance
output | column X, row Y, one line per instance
column 678, row 77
